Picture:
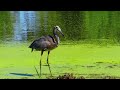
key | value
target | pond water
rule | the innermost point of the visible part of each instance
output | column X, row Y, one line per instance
column 23, row 26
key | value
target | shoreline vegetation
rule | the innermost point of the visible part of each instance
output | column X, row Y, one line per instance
column 82, row 60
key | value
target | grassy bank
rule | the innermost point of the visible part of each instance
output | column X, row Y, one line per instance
column 88, row 60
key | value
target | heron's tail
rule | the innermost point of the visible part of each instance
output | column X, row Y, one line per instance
column 31, row 48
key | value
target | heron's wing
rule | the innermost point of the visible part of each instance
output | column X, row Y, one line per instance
column 52, row 39
column 43, row 43
column 36, row 43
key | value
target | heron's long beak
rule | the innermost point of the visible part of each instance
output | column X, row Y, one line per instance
column 62, row 33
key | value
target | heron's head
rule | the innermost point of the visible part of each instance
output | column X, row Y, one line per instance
column 57, row 28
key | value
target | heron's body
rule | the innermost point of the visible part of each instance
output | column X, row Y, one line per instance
column 46, row 43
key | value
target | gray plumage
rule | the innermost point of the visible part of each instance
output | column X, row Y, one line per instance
column 46, row 43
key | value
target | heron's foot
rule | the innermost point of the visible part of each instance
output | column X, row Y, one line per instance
column 37, row 72
column 51, row 75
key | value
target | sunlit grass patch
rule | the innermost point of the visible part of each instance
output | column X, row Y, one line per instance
column 80, row 59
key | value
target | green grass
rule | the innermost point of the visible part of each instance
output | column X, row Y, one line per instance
column 88, row 60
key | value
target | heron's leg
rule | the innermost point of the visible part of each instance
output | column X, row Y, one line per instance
column 40, row 61
column 37, row 72
column 48, row 62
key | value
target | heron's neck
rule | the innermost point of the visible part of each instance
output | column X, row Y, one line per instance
column 56, row 37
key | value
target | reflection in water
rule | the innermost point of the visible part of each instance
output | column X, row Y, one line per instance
column 29, row 25
column 25, row 22
column 6, row 26
column 45, row 20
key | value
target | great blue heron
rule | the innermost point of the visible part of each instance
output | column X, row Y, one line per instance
column 47, row 43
